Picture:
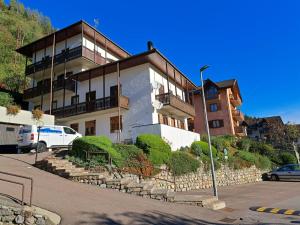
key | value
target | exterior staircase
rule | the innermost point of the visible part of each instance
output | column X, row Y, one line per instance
column 127, row 184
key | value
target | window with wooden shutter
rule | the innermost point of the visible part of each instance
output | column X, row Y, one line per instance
column 114, row 124
column 90, row 128
column 216, row 123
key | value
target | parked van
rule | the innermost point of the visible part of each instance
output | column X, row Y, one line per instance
column 51, row 136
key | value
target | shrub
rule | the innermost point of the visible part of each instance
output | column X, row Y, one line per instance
column 222, row 142
column 258, row 160
column 155, row 147
column 134, row 160
column 199, row 148
column 6, row 99
column 287, row 158
column 182, row 163
column 237, row 163
column 12, row 110
column 244, row 144
column 264, row 162
column 95, row 144
column 37, row 114
column 247, row 156
column 262, row 148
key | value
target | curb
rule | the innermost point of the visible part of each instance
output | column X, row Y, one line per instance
column 290, row 212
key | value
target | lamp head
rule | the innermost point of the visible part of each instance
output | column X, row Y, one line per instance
column 204, row 68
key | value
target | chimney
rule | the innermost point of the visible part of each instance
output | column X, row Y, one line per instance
column 150, row 45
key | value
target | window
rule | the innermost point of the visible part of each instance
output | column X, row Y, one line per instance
column 68, row 130
column 11, row 129
column 211, row 92
column 75, row 100
column 114, row 124
column 54, row 104
column 213, row 107
column 216, row 123
column 74, row 126
column 90, row 128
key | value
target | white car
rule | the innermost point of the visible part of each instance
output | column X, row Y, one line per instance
column 290, row 171
column 50, row 136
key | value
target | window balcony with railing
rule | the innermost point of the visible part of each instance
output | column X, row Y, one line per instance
column 92, row 106
column 175, row 105
column 45, row 88
column 65, row 56
column 237, row 115
column 235, row 100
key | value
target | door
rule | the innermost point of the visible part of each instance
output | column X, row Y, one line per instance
column 284, row 172
column 90, row 100
column 69, row 135
column 114, row 95
column 295, row 174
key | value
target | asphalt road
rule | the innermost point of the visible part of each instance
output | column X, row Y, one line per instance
column 86, row 204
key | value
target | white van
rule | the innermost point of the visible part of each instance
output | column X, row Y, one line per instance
column 51, row 136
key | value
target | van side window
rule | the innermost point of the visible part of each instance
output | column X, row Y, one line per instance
column 68, row 130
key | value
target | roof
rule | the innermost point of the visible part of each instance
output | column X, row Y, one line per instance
column 273, row 119
column 269, row 120
column 226, row 83
column 69, row 31
column 154, row 57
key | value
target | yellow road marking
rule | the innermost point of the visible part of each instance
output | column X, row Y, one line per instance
column 261, row 209
column 289, row 212
column 274, row 210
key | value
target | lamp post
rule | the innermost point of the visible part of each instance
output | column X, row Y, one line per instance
column 208, row 133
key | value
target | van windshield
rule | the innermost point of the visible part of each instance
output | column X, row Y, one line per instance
column 25, row 130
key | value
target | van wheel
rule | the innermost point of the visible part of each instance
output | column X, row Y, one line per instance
column 274, row 177
column 41, row 147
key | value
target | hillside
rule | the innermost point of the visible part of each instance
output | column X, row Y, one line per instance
column 18, row 26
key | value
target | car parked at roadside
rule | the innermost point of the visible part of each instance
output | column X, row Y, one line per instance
column 286, row 172
column 49, row 137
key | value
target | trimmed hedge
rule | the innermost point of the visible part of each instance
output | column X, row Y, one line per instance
column 95, row 144
column 182, row 163
column 157, row 150
column 199, row 148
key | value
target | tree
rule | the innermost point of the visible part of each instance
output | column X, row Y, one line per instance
column 13, row 5
column 2, row 5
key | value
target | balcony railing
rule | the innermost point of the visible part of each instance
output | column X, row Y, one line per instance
column 240, row 131
column 65, row 55
column 172, row 100
column 92, row 106
column 235, row 100
column 238, row 115
column 45, row 88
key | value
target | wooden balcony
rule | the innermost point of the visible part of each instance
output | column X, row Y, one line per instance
column 240, row 131
column 235, row 100
column 46, row 87
column 93, row 106
column 175, row 105
column 237, row 115
column 65, row 56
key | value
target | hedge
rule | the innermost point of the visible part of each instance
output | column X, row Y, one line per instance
column 95, row 144
column 200, row 147
column 182, row 163
column 157, row 150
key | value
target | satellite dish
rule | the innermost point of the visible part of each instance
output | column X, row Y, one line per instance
column 157, row 104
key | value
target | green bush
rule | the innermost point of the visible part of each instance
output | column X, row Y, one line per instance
column 182, row 163
column 287, row 158
column 95, row 144
column 200, row 148
column 244, row 144
column 6, row 99
column 155, row 147
column 256, row 159
column 264, row 162
column 247, row 156
column 221, row 142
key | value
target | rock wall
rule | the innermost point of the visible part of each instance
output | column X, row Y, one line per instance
column 225, row 176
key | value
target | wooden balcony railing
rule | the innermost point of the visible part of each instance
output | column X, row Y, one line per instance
column 45, row 88
column 172, row 100
column 235, row 100
column 239, row 131
column 65, row 55
column 238, row 115
column 93, row 106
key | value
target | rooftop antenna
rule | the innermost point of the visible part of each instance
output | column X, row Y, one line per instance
column 96, row 22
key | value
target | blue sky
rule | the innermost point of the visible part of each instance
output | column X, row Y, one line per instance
column 256, row 42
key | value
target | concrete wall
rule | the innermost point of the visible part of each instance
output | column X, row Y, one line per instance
column 175, row 137
column 23, row 118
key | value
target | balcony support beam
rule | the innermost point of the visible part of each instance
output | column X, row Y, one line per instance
column 104, row 86
column 51, row 75
column 167, row 76
column 43, row 82
column 119, row 109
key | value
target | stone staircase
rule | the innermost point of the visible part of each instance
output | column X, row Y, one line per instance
column 126, row 183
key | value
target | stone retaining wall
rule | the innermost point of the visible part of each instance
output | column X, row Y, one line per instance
column 11, row 215
column 202, row 179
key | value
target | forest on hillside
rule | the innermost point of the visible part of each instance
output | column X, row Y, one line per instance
column 19, row 25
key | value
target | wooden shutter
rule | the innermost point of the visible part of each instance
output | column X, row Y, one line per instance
column 210, row 123
column 114, row 123
column 221, row 123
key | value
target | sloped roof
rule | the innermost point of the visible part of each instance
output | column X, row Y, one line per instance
column 226, row 83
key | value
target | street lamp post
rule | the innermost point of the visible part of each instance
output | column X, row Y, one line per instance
column 208, row 134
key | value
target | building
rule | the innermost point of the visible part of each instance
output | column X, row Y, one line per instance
column 97, row 88
column 259, row 128
column 222, row 102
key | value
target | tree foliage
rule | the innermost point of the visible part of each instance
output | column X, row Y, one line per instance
column 18, row 26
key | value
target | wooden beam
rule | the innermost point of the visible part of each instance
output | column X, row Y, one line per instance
column 51, row 75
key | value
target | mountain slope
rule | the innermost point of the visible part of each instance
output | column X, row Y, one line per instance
column 18, row 26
